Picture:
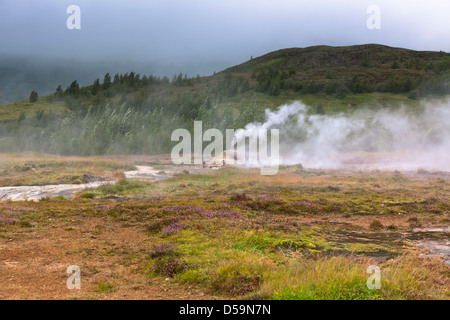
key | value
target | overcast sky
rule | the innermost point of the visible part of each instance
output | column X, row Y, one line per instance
column 226, row 30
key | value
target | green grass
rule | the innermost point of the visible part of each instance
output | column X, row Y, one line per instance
column 122, row 188
column 14, row 110
column 269, row 64
column 106, row 288
column 350, row 290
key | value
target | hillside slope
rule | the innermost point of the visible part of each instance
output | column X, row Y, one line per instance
column 130, row 113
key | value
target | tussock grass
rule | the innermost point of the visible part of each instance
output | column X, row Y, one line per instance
column 409, row 277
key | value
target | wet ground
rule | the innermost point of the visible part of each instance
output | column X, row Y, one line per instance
column 435, row 242
column 146, row 172
column 34, row 193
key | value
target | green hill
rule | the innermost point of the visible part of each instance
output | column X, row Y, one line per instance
column 132, row 113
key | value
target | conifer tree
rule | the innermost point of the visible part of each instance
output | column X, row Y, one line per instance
column 33, row 96
column 106, row 81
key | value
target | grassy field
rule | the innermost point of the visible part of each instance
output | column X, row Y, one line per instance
column 15, row 110
column 229, row 233
column 40, row 169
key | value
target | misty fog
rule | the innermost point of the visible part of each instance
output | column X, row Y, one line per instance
column 385, row 138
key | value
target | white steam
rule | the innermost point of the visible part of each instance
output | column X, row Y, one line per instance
column 399, row 138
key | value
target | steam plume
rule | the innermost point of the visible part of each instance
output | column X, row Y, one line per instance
column 395, row 138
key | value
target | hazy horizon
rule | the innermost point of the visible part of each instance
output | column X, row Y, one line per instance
column 225, row 32
column 39, row 52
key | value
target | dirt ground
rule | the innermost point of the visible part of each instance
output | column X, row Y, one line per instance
column 33, row 265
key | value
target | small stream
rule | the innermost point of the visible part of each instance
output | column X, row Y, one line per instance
column 34, row 193
column 145, row 172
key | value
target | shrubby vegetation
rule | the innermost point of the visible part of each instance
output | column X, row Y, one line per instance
column 33, row 96
column 273, row 82
column 106, row 119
